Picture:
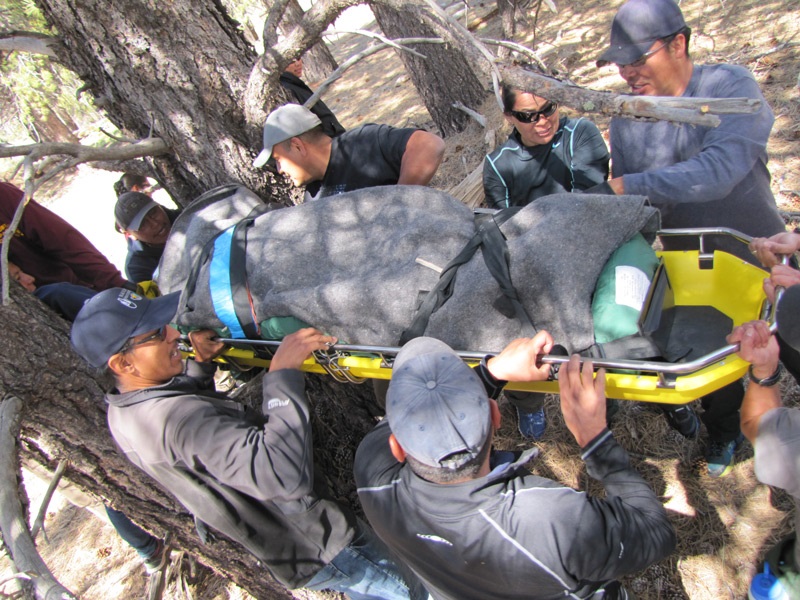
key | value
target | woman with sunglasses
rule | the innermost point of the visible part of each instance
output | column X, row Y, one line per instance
column 545, row 153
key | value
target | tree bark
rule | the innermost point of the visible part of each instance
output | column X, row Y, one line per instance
column 442, row 79
column 186, row 82
column 318, row 62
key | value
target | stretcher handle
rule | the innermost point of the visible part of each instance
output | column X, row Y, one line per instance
column 626, row 364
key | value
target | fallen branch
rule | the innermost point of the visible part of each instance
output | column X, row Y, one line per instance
column 695, row 111
column 341, row 69
column 12, row 228
column 472, row 113
column 146, row 147
column 38, row 522
column 16, row 536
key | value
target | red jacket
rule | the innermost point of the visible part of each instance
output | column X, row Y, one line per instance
column 50, row 249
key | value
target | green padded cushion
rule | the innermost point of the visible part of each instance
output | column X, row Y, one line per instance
column 621, row 289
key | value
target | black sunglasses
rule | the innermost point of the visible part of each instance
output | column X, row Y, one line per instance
column 534, row 116
column 158, row 335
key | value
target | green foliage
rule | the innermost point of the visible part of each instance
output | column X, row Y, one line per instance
column 33, row 86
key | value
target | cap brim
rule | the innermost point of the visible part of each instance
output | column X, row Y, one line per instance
column 262, row 158
column 418, row 347
column 136, row 221
column 160, row 311
column 623, row 55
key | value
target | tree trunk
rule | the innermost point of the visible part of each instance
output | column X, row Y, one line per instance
column 186, row 82
column 507, row 10
column 443, row 78
column 318, row 62
column 48, row 126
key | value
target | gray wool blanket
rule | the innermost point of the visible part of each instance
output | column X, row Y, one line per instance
column 358, row 265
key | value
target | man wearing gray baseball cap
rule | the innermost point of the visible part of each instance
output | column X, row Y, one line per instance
column 696, row 176
column 367, row 156
column 247, row 474
column 473, row 523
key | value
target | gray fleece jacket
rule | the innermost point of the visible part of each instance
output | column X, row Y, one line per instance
column 703, row 176
column 249, row 476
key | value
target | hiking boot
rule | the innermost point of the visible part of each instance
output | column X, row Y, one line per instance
column 684, row 421
column 532, row 424
column 156, row 561
column 719, row 456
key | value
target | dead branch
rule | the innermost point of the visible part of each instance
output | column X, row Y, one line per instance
column 146, row 147
column 472, row 113
column 16, row 536
column 38, row 522
column 27, row 41
column 376, row 36
column 12, row 228
column 342, row 68
column 517, row 48
column 695, row 111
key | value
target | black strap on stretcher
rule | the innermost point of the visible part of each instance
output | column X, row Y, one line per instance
column 492, row 244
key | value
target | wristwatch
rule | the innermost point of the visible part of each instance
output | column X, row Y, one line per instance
column 767, row 381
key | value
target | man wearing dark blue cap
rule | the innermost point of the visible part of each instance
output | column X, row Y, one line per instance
column 247, row 474
column 697, row 176
column 474, row 525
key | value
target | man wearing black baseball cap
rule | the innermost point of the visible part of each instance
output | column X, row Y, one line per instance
column 472, row 523
column 696, row 176
column 147, row 225
column 247, row 474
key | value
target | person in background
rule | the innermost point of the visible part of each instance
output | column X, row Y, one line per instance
column 53, row 251
column 544, row 154
column 291, row 80
column 146, row 225
column 367, row 156
column 130, row 182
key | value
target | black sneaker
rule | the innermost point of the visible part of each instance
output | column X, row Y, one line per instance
column 684, row 421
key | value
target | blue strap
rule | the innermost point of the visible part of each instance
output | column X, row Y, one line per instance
column 219, row 275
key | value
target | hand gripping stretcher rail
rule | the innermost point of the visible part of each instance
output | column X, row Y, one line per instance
column 694, row 300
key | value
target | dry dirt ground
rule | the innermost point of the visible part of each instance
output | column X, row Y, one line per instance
column 724, row 526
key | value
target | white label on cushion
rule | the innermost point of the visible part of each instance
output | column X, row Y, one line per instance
column 631, row 286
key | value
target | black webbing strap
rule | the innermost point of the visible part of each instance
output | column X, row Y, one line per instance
column 240, row 291
column 492, row 243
